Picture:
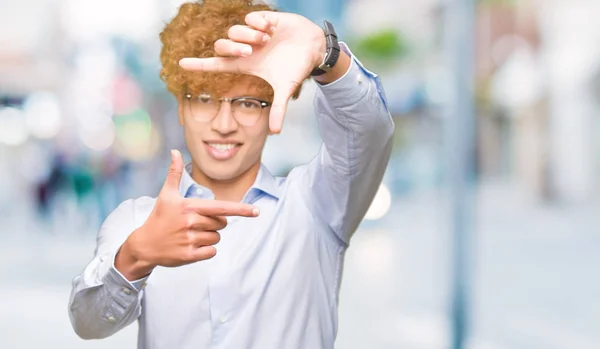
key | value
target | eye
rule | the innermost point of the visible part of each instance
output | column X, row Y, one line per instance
column 205, row 98
column 248, row 104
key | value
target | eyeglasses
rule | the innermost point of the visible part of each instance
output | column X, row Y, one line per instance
column 245, row 110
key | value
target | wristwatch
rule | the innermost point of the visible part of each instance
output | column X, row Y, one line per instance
column 332, row 52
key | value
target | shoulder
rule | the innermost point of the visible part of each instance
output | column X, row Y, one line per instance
column 129, row 215
column 135, row 204
column 296, row 181
column 133, row 210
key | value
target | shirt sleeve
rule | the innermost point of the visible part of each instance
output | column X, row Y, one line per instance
column 357, row 130
column 102, row 300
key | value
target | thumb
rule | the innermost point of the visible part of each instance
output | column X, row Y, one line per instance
column 278, row 108
column 174, row 174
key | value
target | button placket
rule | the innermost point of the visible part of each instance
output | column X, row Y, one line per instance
column 221, row 294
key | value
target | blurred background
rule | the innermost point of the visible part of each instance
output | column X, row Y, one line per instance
column 85, row 123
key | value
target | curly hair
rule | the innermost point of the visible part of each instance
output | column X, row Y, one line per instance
column 192, row 33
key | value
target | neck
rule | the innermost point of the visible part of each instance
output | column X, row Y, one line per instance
column 228, row 190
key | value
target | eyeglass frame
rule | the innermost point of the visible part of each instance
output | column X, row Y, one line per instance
column 263, row 104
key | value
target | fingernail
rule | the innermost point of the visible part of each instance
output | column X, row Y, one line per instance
column 246, row 51
column 266, row 38
column 272, row 29
column 255, row 211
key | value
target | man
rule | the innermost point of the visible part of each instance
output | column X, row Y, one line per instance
column 228, row 256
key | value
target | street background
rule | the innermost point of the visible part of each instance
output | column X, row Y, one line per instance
column 85, row 123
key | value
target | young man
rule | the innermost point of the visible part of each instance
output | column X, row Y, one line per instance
column 268, row 275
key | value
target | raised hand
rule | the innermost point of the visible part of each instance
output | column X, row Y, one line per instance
column 179, row 231
column 280, row 48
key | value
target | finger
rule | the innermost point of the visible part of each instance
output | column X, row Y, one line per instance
column 202, row 253
column 212, row 64
column 174, row 175
column 278, row 108
column 224, row 47
column 202, row 223
column 205, row 238
column 248, row 35
column 220, row 208
column 265, row 21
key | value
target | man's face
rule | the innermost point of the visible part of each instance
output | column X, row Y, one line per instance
column 225, row 139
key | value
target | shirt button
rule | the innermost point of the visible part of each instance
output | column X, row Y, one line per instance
column 126, row 291
column 111, row 319
column 223, row 319
column 144, row 285
column 199, row 191
column 359, row 79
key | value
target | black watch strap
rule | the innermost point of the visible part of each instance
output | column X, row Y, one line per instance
column 332, row 51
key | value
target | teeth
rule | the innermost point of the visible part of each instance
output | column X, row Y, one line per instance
column 222, row 147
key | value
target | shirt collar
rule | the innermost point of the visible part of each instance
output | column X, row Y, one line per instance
column 186, row 180
column 265, row 182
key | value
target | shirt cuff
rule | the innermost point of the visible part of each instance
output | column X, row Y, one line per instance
column 117, row 279
column 353, row 85
column 137, row 284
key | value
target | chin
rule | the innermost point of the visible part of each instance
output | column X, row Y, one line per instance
column 224, row 170
column 221, row 172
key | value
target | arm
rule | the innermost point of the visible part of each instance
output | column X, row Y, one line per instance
column 177, row 232
column 102, row 300
column 357, row 129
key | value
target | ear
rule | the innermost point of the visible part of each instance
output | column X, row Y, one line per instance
column 180, row 109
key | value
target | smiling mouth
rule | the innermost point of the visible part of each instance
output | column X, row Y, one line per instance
column 222, row 151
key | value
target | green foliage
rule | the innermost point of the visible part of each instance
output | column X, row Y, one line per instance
column 384, row 45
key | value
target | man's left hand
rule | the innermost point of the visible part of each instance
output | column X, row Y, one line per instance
column 280, row 48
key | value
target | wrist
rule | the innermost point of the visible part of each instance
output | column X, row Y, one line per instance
column 130, row 263
column 337, row 71
column 320, row 50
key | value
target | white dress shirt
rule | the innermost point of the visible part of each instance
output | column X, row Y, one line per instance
column 274, row 283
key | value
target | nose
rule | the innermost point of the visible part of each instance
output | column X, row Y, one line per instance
column 224, row 122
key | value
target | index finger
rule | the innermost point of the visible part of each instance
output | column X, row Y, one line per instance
column 212, row 64
column 220, row 208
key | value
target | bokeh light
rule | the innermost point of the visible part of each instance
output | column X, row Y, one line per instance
column 380, row 205
column 98, row 139
column 136, row 138
column 13, row 129
column 43, row 115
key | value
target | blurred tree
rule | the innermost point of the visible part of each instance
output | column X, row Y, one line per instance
column 381, row 49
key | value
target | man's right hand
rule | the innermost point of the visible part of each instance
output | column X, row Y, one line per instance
column 179, row 231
